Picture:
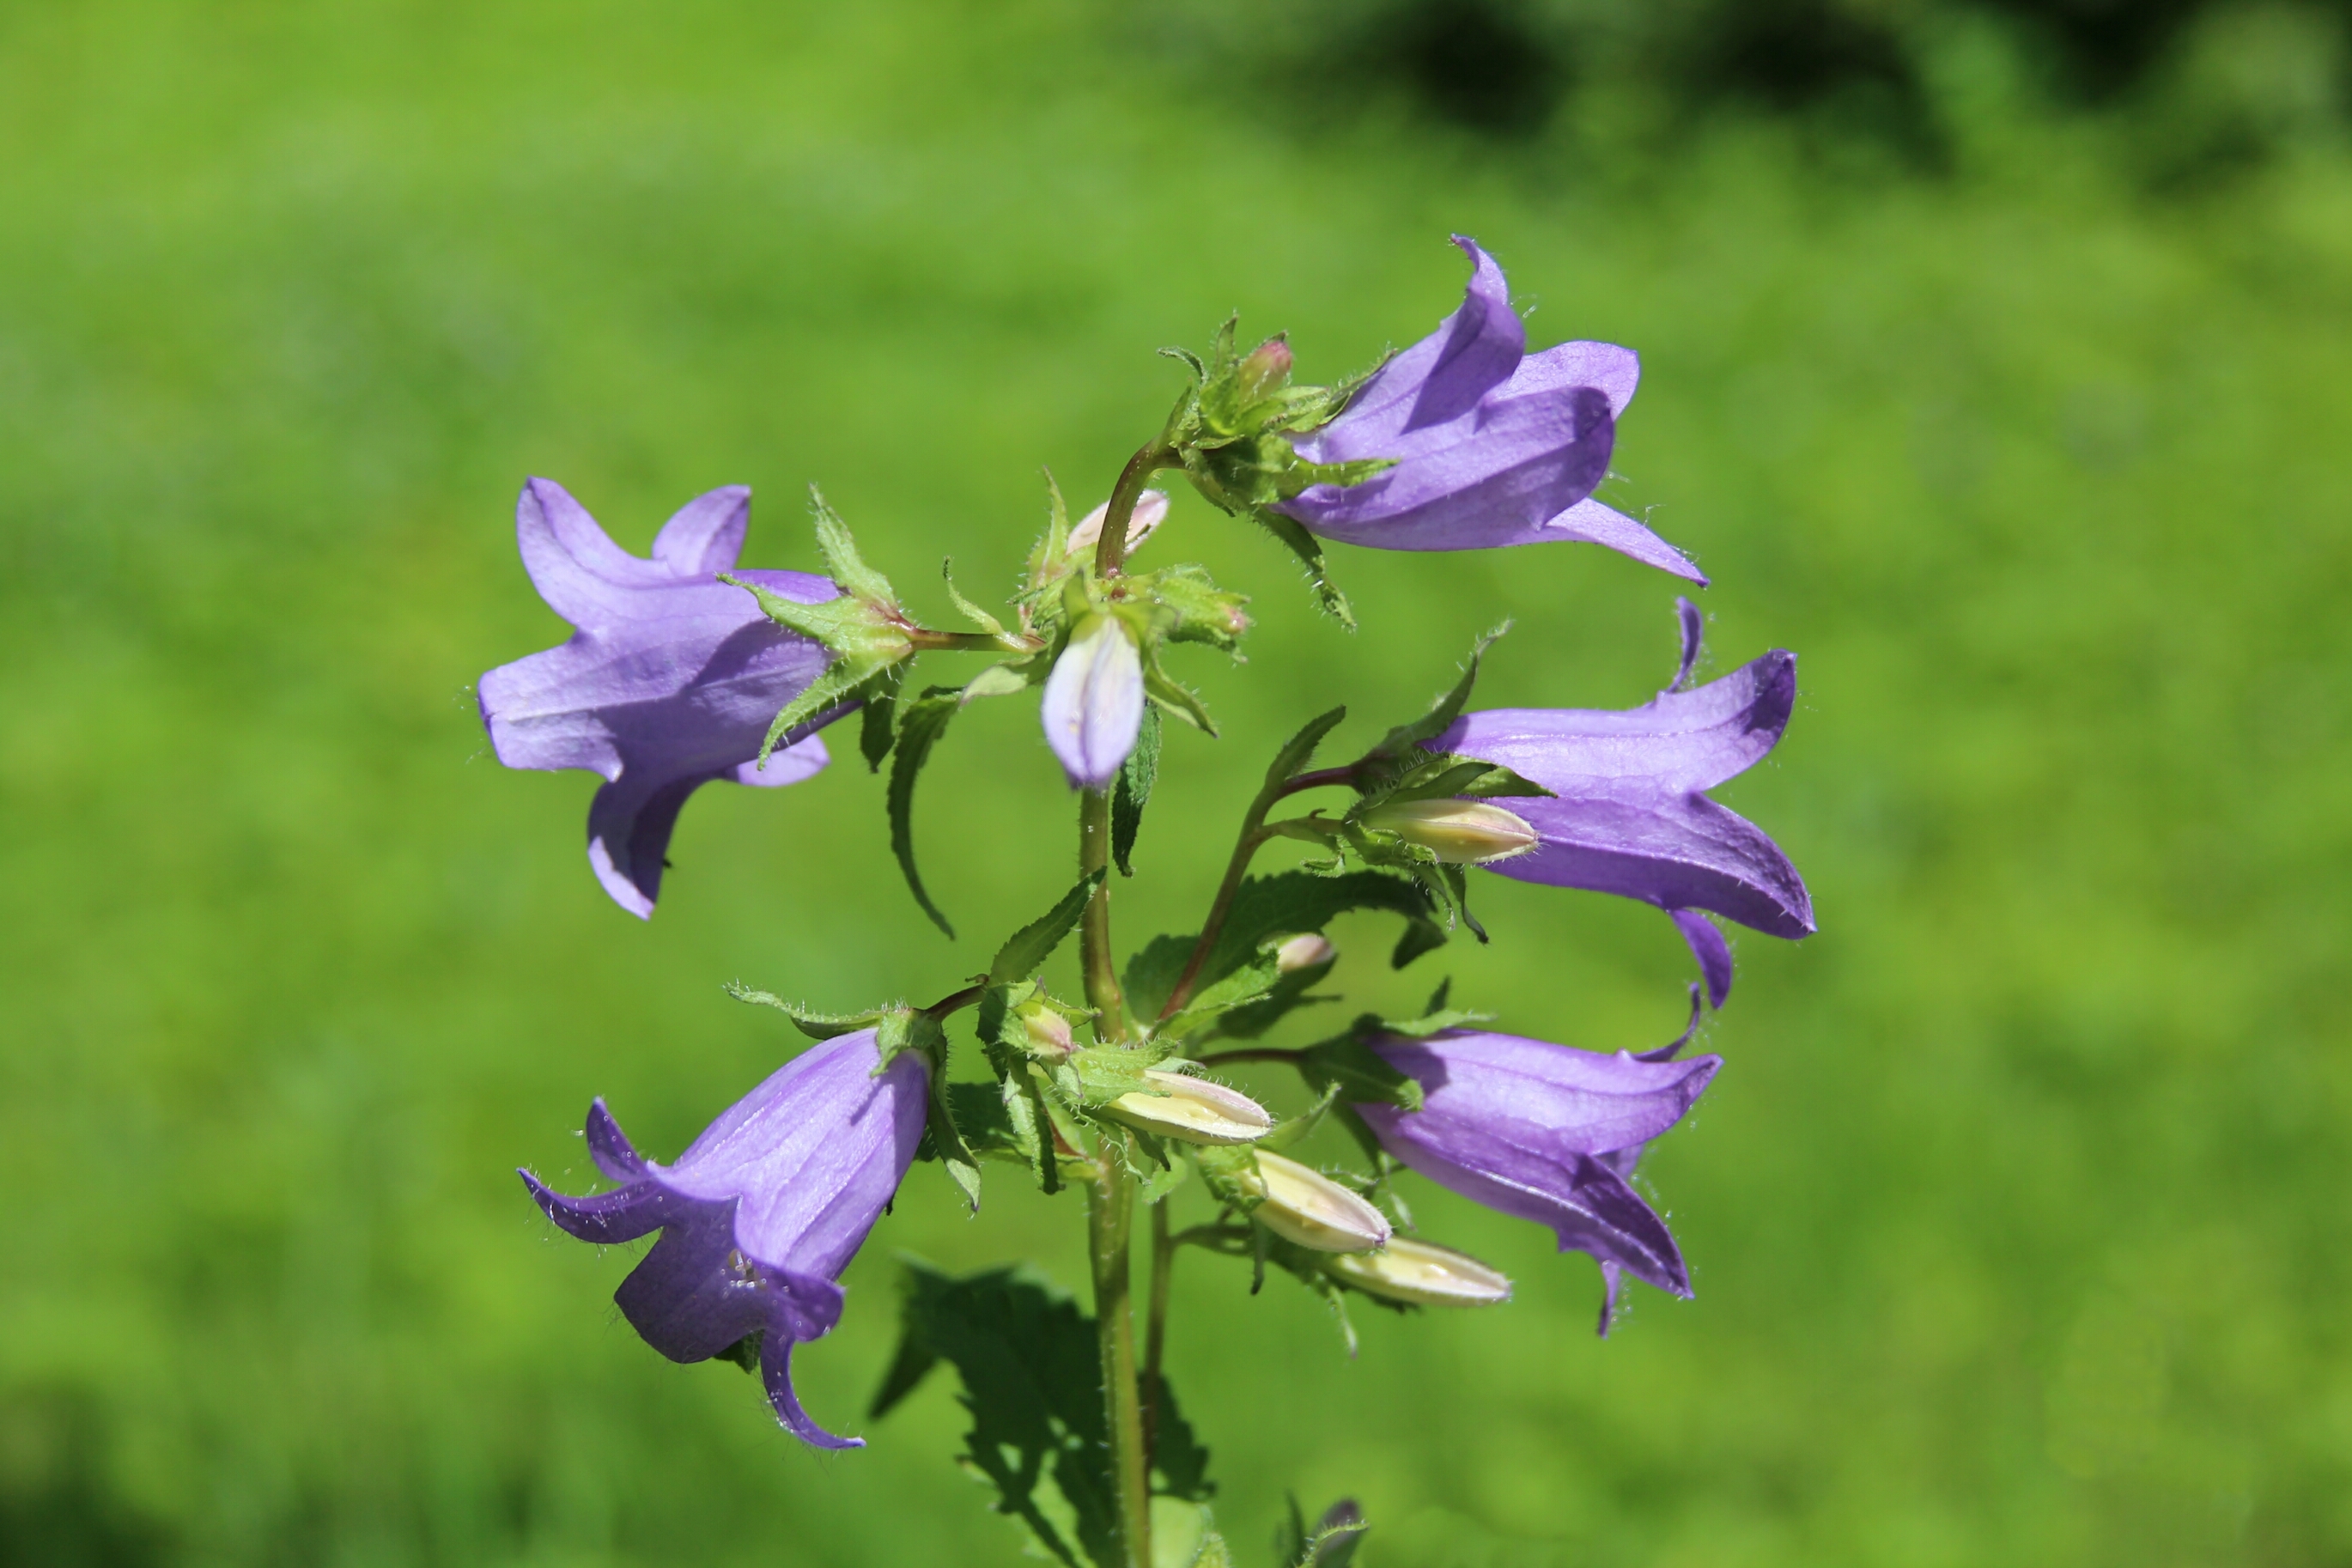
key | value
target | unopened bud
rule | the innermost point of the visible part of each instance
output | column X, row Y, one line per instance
column 1264, row 370
column 1192, row 1111
column 1049, row 1033
column 1150, row 512
column 1461, row 832
column 1311, row 1209
column 1422, row 1273
column 1304, row 952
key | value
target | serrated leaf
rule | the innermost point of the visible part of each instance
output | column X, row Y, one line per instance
column 877, row 729
column 995, row 1124
column 1025, row 951
column 921, row 723
column 999, row 681
column 1133, row 790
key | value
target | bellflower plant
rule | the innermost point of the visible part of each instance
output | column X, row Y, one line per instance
column 1105, row 1071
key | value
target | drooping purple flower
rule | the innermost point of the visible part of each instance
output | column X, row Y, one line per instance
column 1093, row 708
column 669, row 681
column 1493, row 445
column 1548, row 1133
column 761, row 1214
column 1627, row 815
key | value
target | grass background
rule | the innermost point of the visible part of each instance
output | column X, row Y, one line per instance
column 2019, row 1213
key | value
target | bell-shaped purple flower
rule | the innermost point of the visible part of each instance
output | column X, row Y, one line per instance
column 1093, row 708
column 760, row 1215
column 1545, row 1132
column 1627, row 815
column 669, row 681
column 1492, row 444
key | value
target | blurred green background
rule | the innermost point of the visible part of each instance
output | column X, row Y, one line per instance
column 1998, row 358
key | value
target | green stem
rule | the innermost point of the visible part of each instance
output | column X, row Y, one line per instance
column 1110, row 548
column 929, row 641
column 1101, row 973
column 1110, row 1218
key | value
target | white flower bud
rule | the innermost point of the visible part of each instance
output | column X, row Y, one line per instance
column 1304, row 952
column 1311, row 1209
column 1150, row 512
column 1192, row 1111
column 1422, row 1273
column 1461, row 832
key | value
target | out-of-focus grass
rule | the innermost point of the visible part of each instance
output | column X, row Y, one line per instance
column 2017, row 1214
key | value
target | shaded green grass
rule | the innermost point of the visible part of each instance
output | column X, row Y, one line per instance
column 2017, row 1214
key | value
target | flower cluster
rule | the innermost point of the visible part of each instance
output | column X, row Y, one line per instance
column 683, row 668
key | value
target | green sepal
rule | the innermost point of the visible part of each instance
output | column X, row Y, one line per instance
column 1195, row 608
column 1247, row 1018
column 994, row 1125
column 1004, row 679
column 1093, row 1076
column 1300, row 750
column 1290, row 1130
column 1167, row 693
column 1440, row 775
column 921, row 722
column 745, row 1352
column 1292, row 534
column 1025, row 951
column 1132, row 792
column 964, row 606
column 1404, row 740
column 842, row 562
column 814, row 1025
column 910, row 1029
column 1331, row 1544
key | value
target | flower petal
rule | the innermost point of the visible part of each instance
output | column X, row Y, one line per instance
column 776, row 1371
column 1589, row 523
column 1713, row 953
column 1093, row 706
column 705, row 535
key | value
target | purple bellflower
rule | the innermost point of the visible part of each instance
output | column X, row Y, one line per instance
column 1493, row 445
column 1628, row 815
column 670, row 678
column 761, row 1214
column 1548, row 1133
column 1093, row 708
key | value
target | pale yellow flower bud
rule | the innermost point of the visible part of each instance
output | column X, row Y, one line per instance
column 1422, row 1273
column 1461, row 832
column 1304, row 952
column 1192, row 1111
column 1310, row 1209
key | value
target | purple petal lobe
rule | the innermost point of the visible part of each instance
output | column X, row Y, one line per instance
column 1589, row 523
column 1093, row 708
column 669, row 682
column 1693, row 630
column 764, row 1211
column 1713, row 953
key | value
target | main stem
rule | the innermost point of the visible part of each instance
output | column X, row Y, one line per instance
column 1110, row 1208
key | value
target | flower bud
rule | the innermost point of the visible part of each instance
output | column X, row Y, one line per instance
column 1311, row 1209
column 1264, row 370
column 1192, row 1111
column 1150, row 512
column 1421, row 1273
column 1049, row 1033
column 1094, row 702
column 1304, row 952
column 1461, row 832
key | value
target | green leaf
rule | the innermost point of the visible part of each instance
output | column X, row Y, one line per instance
column 1407, row 738
column 995, row 1122
column 814, row 1025
column 1179, row 1461
column 842, row 562
column 1032, row 1379
column 1309, row 550
column 1025, row 951
column 921, row 723
column 1359, row 1074
column 878, row 728
column 1133, row 790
